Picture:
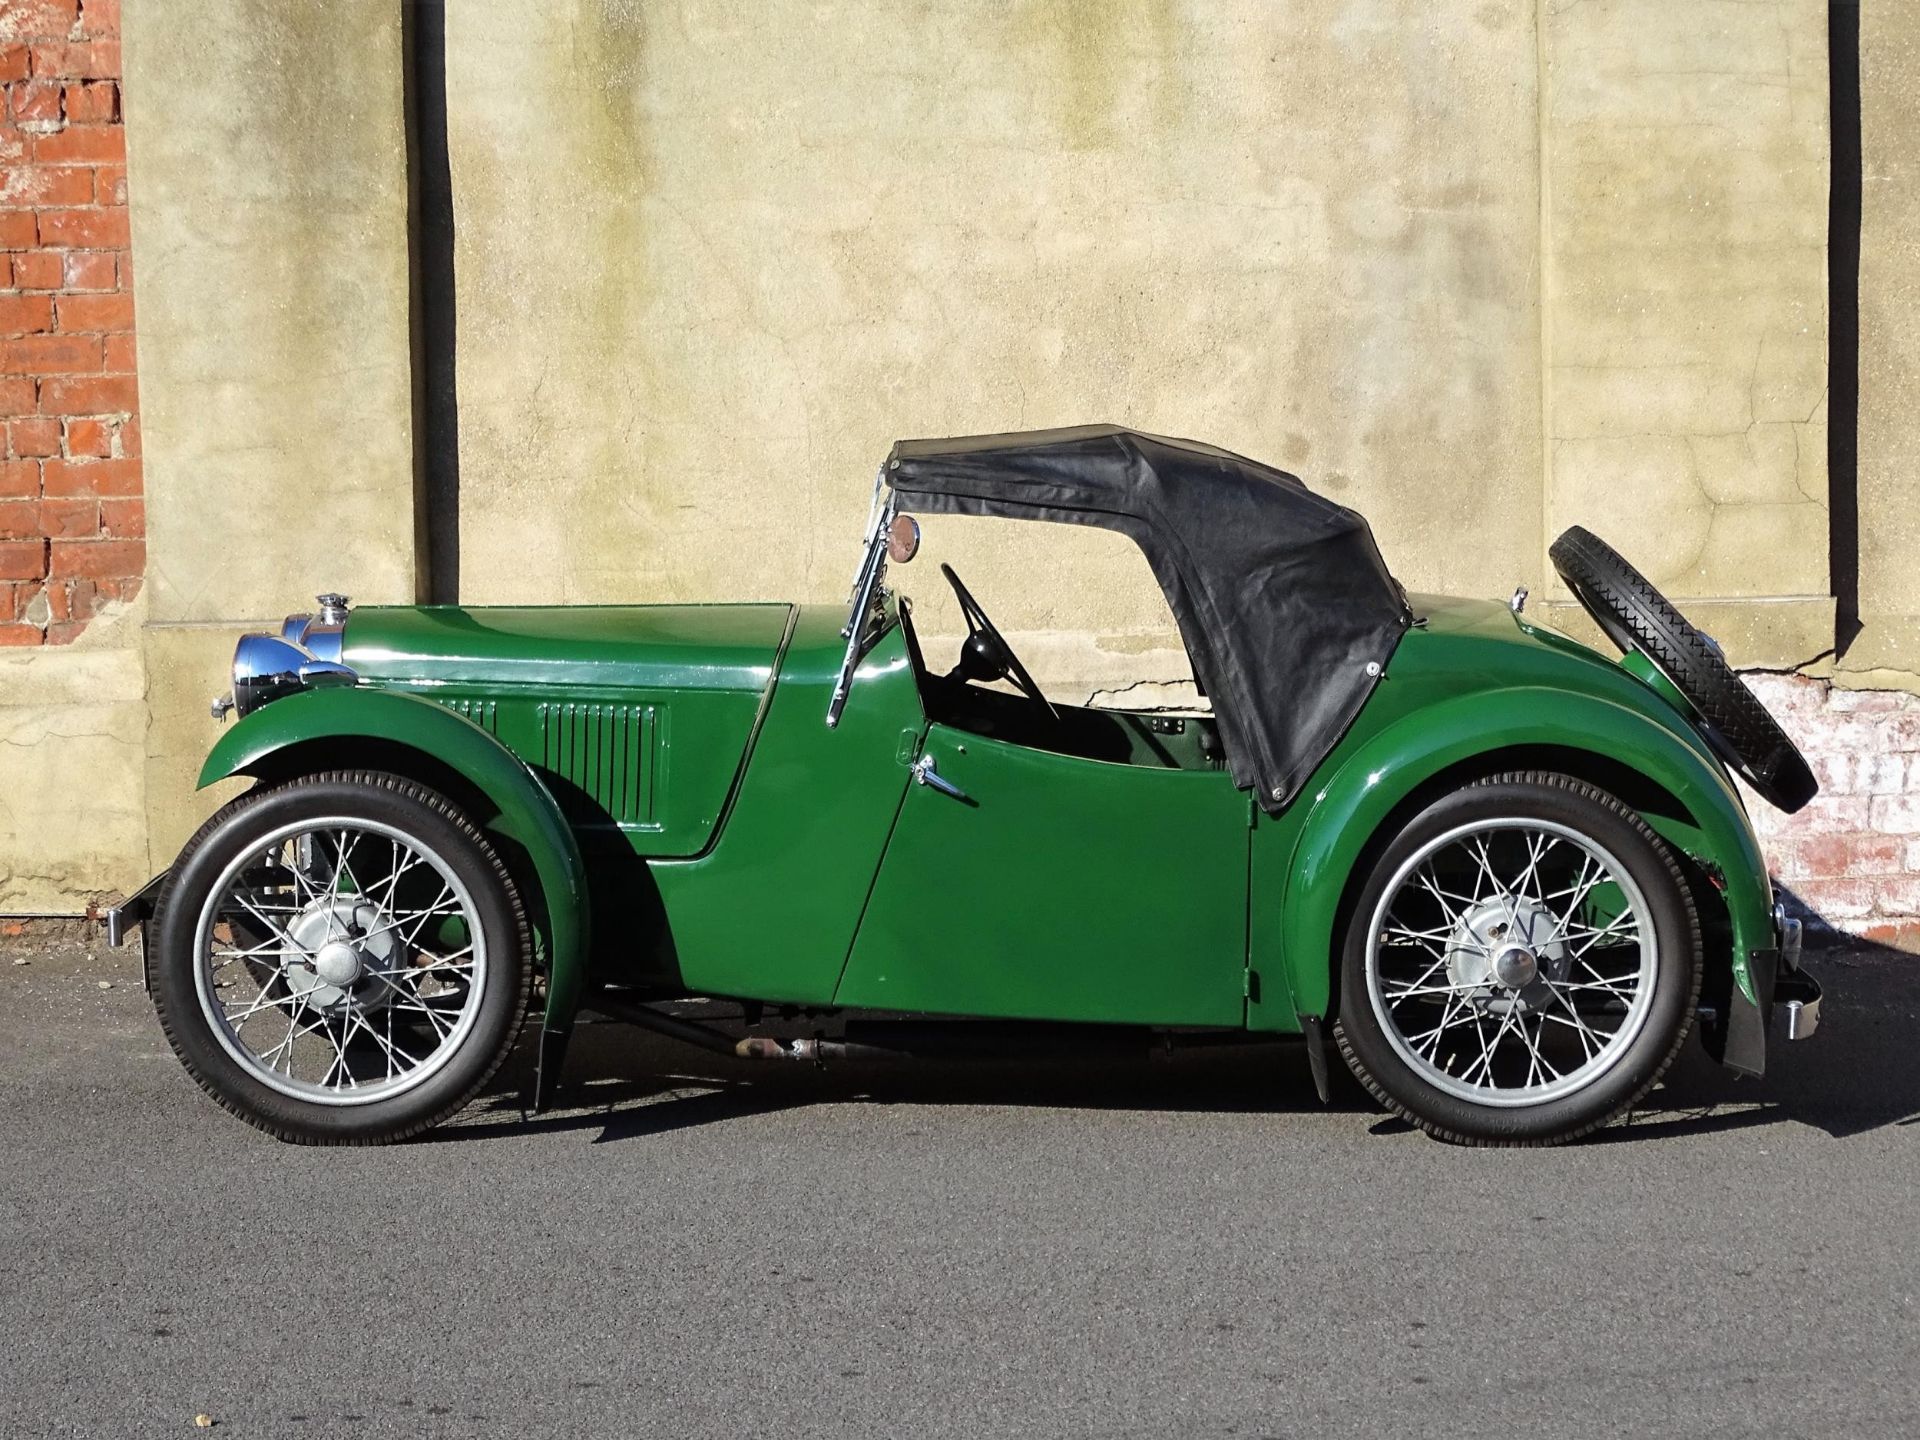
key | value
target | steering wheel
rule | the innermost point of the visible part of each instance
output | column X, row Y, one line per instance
column 985, row 654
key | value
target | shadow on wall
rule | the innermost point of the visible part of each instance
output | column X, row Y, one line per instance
column 1855, row 1076
column 1819, row 932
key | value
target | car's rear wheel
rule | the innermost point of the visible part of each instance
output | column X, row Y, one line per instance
column 342, row 959
column 1522, row 963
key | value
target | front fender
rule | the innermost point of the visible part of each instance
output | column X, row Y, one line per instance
column 1350, row 807
column 524, row 810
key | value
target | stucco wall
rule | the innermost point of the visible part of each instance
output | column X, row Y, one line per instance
column 713, row 259
column 1340, row 236
column 1686, row 303
column 274, row 337
column 73, row 722
column 1478, row 267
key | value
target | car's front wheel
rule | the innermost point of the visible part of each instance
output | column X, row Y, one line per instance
column 1522, row 963
column 342, row 959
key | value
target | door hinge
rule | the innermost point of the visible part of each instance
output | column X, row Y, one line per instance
column 909, row 748
column 1250, row 985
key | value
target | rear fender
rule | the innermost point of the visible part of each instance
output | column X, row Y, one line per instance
column 524, row 811
column 1350, row 808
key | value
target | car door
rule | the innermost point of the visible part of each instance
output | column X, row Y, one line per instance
column 1056, row 887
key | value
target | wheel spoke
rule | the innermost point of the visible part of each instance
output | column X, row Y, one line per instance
column 1454, row 905
column 1448, row 1018
column 417, row 918
column 1485, row 872
column 413, row 862
column 1591, row 874
column 266, row 949
column 1590, row 1043
column 299, row 867
column 1596, row 978
column 1429, row 940
column 1529, row 881
column 433, row 1015
column 294, row 1032
column 342, row 865
column 1417, row 991
column 1537, row 1062
column 1432, row 970
column 393, row 1049
column 1611, row 928
column 263, row 1001
column 1493, row 1046
column 279, row 930
column 434, row 967
column 1604, row 987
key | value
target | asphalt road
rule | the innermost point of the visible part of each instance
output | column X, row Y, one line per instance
column 1178, row 1248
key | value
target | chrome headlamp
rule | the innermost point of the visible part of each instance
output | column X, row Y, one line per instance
column 306, row 652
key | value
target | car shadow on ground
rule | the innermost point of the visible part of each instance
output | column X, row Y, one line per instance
column 630, row 1084
column 1856, row 1075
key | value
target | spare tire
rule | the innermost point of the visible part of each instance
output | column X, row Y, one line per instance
column 1635, row 616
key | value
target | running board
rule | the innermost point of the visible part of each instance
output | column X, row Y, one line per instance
column 907, row 1040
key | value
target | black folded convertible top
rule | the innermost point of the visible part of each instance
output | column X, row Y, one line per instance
column 1287, row 610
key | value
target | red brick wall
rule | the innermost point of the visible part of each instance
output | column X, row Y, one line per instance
column 72, row 524
column 1852, row 856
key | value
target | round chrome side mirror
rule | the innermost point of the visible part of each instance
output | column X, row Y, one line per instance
column 903, row 539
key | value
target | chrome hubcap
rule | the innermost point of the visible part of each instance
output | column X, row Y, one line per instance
column 1508, row 941
column 1516, row 967
column 338, row 964
column 341, row 943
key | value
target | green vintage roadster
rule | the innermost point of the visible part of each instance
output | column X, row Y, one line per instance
column 1504, row 876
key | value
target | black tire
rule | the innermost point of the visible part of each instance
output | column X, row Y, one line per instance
column 1592, row 813
column 418, row 813
column 1636, row 616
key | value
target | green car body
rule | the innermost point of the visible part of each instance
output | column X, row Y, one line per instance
column 680, row 818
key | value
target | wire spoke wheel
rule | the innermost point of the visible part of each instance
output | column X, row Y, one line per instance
column 1522, row 962
column 341, row 958
column 341, row 961
column 1512, row 962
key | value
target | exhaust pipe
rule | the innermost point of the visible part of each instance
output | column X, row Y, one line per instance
column 816, row 1051
column 956, row 1040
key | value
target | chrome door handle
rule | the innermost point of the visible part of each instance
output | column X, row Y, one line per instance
column 925, row 772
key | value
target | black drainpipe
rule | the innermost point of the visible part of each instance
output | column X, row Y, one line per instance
column 436, row 400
